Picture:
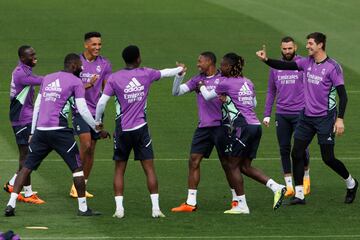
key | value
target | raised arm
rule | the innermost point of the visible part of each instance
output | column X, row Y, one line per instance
column 277, row 64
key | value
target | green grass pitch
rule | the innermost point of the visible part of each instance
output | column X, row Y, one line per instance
column 166, row 32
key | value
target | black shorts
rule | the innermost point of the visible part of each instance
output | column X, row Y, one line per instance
column 204, row 140
column 139, row 140
column 322, row 126
column 22, row 134
column 245, row 141
column 62, row 141
column 80, row 126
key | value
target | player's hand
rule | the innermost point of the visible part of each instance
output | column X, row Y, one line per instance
column 99, row 126
column 104, row 134
column 222, row 98
column 198, row 86
column 262, row 54
column 94, row 79
column 266, row 121
column 339, row 127
column 183, row 66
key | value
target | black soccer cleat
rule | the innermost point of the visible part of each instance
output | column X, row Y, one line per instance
column 9, row 211
column 88, row 213
column 297, row 201
column 351, row 193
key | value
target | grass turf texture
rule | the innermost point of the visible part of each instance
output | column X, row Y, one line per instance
column 167, row 31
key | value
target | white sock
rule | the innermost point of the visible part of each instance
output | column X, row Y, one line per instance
column 274, row 186
column 299, row 192
column 242, row 201
column 82, row 204
column 119, row 203
column 12, row 200
column 288, row 181
column 28, row 191
column 307, row 173
column 12, row 180
column 234, row 197
column 155, row 201
column 350, row 182
column 191, row 199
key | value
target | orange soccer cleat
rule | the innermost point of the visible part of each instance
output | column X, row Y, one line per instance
column 184, row 207
column 33, row 199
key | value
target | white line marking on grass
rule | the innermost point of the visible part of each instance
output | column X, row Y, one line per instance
column 203, row 237
column 175, row 159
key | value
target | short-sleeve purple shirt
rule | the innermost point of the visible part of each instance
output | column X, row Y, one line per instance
column 56, row 90
column 319, row 85
column 131, row 87
column 242, row 93
column 209, row 112
column 100, row 66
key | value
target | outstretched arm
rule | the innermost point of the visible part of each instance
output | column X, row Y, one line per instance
column 277, row 64
column 208, row 95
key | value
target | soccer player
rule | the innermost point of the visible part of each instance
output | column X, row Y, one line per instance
column 131, row 87
column 210, row 131
column 96, row 70
column 246, row 130
column 288, row 89
column 323, row 78
column 21, row 110
column 52, row 132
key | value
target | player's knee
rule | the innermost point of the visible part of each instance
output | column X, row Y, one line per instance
column 285, row 150
column 194, row 162
column 244, row 169
column 297, row 155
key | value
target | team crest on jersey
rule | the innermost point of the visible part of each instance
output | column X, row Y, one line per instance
column 309, row 69
column 217, row 81
column 98, row 68
column 323, row 71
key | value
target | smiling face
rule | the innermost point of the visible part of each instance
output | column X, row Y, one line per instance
column 93, row 46
column 312, row 47
column 29, row 57
column 203, row 64
column 288, row 50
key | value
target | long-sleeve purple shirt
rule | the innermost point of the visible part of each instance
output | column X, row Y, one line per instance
column 22, row 94
column 288, row 88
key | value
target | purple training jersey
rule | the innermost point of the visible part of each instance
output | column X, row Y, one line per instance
column 22, row 94
column 242, row 94
column 209, row 112
column 288, row 89
column 131, row 88
column 56, row 90
column 100, row 66
column 320, row 80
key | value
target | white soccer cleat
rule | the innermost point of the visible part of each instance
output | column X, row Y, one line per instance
column 119, row 213
column 156, row 213
column 238, row 210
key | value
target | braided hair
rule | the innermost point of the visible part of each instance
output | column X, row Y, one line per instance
column 236, row 62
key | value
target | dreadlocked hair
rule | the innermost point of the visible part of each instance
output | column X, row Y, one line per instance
column 236, row 62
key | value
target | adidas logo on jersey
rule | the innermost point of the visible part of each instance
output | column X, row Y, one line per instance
column 245, row 90
column 134, row 86
column 54, row 86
